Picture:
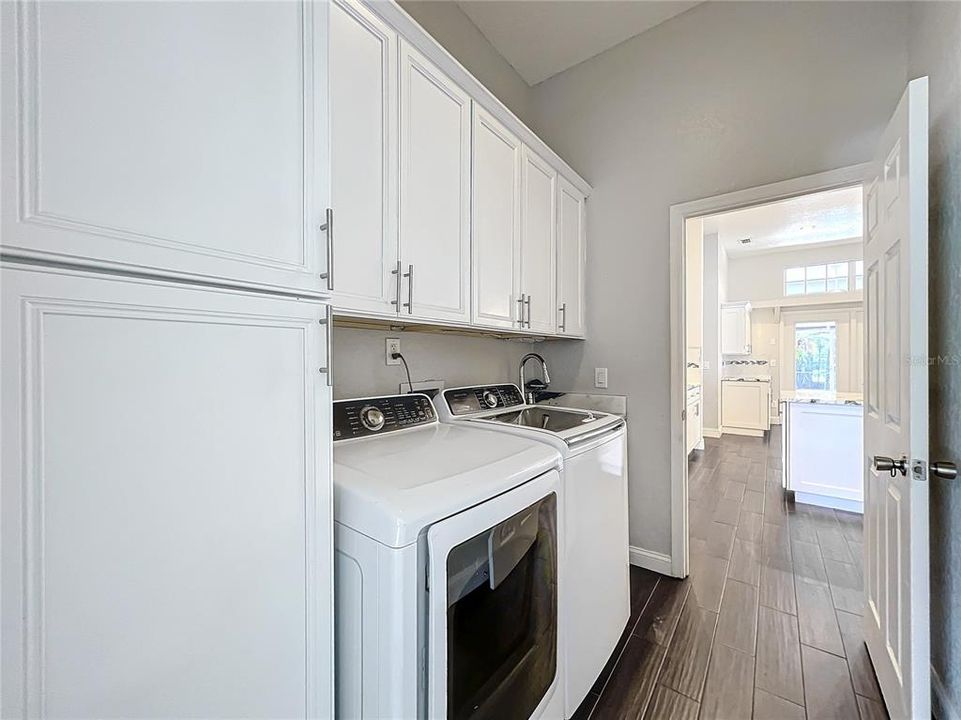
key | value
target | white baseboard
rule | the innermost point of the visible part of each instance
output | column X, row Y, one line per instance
column 943, row 706
column 650, row 560
column 746, row 432
column 854, row 506
column 711, row 432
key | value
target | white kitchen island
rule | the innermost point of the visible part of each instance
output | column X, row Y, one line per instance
column 823, row 448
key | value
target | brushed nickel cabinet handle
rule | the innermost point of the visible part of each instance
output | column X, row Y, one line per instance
column 328, row 321
column 328, row 227
column 396, row 271
column 527, row 303
column 563, row 317
column 410, row 289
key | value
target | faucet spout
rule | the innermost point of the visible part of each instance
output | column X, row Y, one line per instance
column 528, row 392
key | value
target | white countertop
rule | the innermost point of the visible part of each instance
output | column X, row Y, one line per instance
column 821, row 397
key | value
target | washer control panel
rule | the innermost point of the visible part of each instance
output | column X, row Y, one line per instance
column 375, row 416
column 465, row 401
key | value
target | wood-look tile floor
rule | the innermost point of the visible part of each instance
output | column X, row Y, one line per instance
column 767, row 625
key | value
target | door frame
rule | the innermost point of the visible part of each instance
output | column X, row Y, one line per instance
column 679, row 214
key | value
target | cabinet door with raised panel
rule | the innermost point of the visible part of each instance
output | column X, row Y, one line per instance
column 435, row 126
column 166, row 500
column 495, row 223
column 363, row 159
column 538, row 227
column 571, row 258
column 178, row 138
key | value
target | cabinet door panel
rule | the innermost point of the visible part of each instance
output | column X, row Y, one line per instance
column 571, row 258
column 363, row 156
column 166, row 137
column 166, row 498
column 495, row 222
column 434, row 191
column 537, row 241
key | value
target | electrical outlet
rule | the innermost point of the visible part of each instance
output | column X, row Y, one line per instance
column 393, row 346
column 706, row 364
column 600, row 377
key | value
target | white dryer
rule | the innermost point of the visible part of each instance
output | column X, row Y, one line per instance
column 446, row 567
column 596, row 600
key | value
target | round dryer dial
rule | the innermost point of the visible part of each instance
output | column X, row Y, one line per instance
column 490, row 399
column 372, row 418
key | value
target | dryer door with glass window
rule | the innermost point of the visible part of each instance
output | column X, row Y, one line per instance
column 493, row 618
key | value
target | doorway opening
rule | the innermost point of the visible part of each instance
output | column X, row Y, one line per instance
column 767, row 312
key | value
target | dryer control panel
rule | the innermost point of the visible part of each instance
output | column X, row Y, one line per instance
column 375, row 416
column 466, row 401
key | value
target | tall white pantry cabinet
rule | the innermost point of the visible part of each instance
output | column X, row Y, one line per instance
column 165, row 504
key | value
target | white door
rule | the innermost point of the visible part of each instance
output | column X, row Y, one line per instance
column 168, row 137
column 896, row 409
column 363, row 159
column 434, row 254
column 571, row 258
column 538, row 227
column 495, row 223
column 166, row 501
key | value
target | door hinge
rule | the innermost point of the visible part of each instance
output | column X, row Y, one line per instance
column 684, row 414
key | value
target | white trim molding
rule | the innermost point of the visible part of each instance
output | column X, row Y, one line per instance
column 943, row 707
column 650, row 560
column 711, row 432
column 679, row 214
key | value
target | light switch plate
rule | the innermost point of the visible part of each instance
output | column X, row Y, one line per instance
column 600, row 377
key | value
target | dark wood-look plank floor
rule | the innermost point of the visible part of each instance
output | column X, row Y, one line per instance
column 767, row 625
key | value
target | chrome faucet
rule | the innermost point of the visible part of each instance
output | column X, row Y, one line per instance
column 529, row 395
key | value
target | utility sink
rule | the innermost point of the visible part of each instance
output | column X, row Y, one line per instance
column 545, row 418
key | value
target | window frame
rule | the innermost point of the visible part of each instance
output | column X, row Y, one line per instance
column 803, row 280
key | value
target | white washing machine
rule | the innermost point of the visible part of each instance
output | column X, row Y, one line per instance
column 447, row 566
column 597, row 596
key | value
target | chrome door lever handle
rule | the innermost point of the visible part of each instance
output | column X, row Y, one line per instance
column 946, row 470
column 886, row 464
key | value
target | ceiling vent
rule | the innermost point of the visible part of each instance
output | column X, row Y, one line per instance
column 744, row 241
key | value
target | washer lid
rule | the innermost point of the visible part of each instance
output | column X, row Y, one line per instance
column 392, row 487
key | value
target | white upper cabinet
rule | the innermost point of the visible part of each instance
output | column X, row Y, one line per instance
column 571, row 259
column 435, row 125
column 736, row 329
column 168, row 137
column 495, row 223
column 538, row 226
column 363, row 158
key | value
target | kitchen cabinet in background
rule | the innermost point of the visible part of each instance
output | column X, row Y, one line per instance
column 745, row 407
column 736, row 329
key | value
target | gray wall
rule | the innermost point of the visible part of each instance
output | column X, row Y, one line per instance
column 359, row 368
column 935, row 50
column 722, row 97
column 451, row 27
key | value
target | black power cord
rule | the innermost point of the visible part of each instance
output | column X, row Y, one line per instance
column 410, row 384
